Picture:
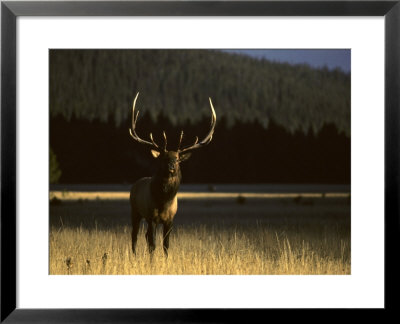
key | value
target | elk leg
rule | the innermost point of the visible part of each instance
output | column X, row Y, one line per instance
column 166, row 231
column 135, row 230
column 150, row 237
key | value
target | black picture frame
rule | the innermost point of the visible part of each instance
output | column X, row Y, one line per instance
column 11, row 10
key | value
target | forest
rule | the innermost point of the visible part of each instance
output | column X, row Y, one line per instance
column 276, row 123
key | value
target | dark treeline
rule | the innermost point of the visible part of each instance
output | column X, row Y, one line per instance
column 275, row 122
column 98, row 152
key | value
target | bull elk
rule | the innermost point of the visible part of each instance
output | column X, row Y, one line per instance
column 155, row 198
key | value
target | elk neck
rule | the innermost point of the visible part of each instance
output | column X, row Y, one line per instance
column 164, row 188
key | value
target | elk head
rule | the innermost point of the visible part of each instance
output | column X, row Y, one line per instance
column 170, row 160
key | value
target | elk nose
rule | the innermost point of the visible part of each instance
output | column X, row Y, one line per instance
column 171, row 166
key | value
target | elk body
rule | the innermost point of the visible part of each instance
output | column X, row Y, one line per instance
column 155, row 198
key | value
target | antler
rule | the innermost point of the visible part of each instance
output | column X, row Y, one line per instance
column 207, row 139
column 135, row 136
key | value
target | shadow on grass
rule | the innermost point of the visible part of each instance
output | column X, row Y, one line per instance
column 109, row 214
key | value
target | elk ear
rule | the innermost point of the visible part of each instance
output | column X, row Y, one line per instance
column 184, row 156
column 155, row 153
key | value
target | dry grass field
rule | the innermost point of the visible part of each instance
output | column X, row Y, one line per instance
column 210, row 236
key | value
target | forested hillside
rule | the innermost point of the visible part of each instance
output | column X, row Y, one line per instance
column 275, row 122
column 101, row 84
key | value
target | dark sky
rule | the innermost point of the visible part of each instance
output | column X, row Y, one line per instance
column 331, row 58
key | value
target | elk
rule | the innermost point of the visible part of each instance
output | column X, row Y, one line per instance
column 155, row 198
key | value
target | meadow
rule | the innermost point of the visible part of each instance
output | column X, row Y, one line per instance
column 241, row 235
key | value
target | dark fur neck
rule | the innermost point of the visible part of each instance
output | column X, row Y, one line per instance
column 164, row 188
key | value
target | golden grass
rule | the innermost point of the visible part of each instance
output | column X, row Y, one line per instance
column 203, row 250
column 124, row 195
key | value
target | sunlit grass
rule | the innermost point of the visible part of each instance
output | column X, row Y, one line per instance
column 202, row 250
column 124, row 195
